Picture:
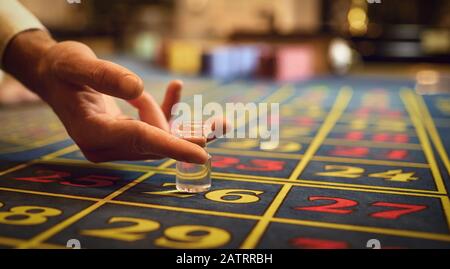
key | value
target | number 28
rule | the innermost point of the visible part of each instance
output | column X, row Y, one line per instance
column 27, row 215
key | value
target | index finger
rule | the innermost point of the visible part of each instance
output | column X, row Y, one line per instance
column 133, row 140
column 81, row 67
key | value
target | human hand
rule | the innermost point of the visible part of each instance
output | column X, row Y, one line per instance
column 78, row 86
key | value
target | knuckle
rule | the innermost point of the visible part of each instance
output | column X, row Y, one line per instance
column 138, row 86
column 136, row 142
column 99, row 73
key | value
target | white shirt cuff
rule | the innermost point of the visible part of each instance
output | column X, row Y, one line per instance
column 14, row 19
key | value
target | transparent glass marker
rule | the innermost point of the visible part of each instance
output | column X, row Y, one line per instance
column 190, row 177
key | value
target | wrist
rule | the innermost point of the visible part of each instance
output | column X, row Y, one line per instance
column 23, row 57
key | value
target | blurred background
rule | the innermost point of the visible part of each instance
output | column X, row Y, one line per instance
column 282, row 40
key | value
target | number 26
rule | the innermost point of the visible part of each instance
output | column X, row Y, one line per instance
column 231, row 196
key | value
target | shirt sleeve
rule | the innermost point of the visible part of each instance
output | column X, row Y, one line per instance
column 14, row 18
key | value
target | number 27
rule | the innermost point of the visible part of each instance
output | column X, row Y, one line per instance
column 346, row 206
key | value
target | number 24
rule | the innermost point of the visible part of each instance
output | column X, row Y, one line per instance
column 356, row 172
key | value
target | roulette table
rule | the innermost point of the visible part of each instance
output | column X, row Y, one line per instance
column 359, row 159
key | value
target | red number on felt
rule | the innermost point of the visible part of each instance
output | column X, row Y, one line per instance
column 355, row 135
column 350, row 151
column 312, row 243
column 304, row 121
column 403, row 209
column 97, row 181
column 340, row 206
column 365, row 112
column 45, row 176
column 49, row 176
column 224, row 162
column 262, row 165
column 397, row 138
column 381, row 137
column 398, row 154
column 254, row 165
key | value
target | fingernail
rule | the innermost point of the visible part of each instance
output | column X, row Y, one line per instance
column 204, row 160
column 134, row 83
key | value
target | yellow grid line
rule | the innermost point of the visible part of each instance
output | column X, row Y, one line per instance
column 26, row 164
column 41, row 237
column 348, row 142
column 60, row 152
column 14, row 168
column 74, row 147
column 370, row 162
column 250, row 153
column 397, row 232
column 316, row 158
column 38, row 239
column 144, row 169
column 31, row 146
column 373, row 119
column 335, row 185
column 137, row 167
column 434, row 134
column 408, row 98
column 366, row 229
column 445, row 205
column 112, row 166
column 344, row 128
column 333, row 117
column 371, row 144
column 300, row 183
column 188, row 210
column 13, row 242
column 379, row 189
column 422, row 109
column 58, row 195
column 353, row 187
column 339, row 106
